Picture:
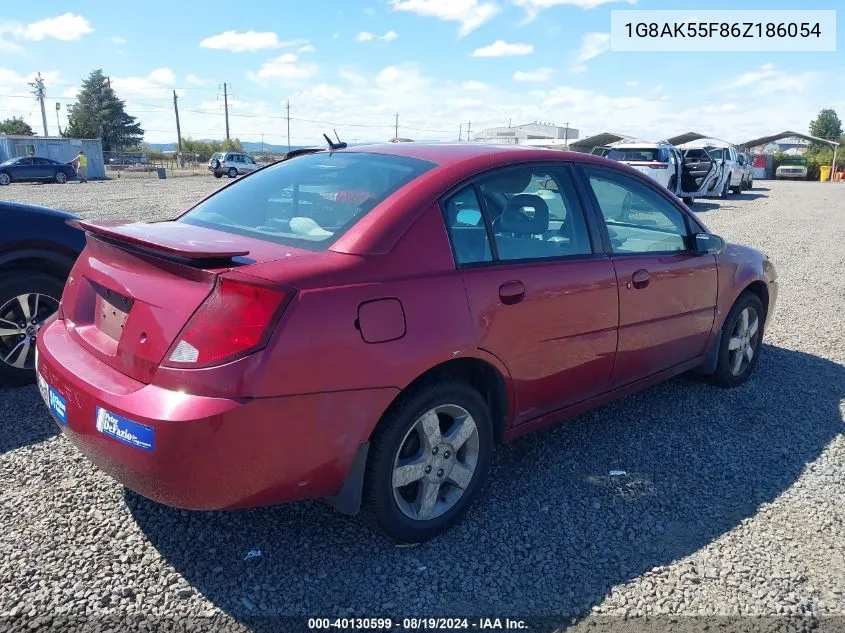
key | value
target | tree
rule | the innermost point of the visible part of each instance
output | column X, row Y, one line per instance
column 99, row 113
column 16, row 126
column 827, row 125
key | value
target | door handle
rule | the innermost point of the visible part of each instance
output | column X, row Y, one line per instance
column 511, row 292
column 639, row 279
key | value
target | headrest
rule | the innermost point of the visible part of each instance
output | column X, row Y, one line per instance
column 508, row 182
column 514, row 219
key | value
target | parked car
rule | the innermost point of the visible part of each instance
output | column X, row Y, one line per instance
column 688, row 177
column 231, row 164
column 35, row 169
column 367, row 324
column 792, row 167
column 37, row 251
column 747, row 165
column 727, row 157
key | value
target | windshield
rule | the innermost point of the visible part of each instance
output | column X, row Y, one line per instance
column 715, row 153
column 794, row 160
column 308, row 201
column 637, row 154
column 9, row 162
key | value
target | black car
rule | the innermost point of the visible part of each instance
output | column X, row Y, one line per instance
column 35, row 169
column 37, row 251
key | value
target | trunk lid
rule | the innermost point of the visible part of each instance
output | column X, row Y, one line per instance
column 136, row 285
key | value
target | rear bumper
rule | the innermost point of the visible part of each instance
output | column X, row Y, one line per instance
column 208, row 453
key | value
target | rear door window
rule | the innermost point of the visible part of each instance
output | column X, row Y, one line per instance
column 308, row 201
column 635, row 154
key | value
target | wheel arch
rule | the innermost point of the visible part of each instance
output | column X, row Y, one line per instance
column 483, row 375
column 55, row 264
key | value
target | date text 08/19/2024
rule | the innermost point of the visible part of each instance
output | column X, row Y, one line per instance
column 417, row 624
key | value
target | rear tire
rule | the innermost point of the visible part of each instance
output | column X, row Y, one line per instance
column 439, row 438
column 741, row 332
column 5, row 179
column 13, row 285
column 217, row 174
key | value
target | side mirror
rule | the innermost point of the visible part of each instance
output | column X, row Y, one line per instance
column 708, row 244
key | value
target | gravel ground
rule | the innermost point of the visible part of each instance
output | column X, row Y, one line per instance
column 732, row 504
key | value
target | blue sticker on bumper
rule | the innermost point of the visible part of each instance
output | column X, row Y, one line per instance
column 58, row 406
column 126, row 431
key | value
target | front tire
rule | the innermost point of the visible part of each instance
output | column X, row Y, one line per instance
column 427, row 461
column 742, row 336
column 27, row 299
column 723, row 195
column 60, row 178
column 233, row 173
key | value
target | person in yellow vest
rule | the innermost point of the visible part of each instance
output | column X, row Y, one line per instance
column 81, row 164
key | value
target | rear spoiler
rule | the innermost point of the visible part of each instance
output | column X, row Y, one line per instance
column 170, row 238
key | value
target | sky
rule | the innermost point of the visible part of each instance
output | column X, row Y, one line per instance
column 441, row 65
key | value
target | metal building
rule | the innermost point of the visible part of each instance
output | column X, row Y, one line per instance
column 57, row 148
column 519, row 134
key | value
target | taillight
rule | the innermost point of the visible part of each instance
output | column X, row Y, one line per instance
column 234, row 320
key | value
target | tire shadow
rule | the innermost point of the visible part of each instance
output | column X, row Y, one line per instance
column 553, row 532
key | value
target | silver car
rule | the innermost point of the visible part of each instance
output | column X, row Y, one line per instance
column 231, row 164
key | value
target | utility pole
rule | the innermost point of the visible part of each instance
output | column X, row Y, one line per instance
column 58, row 123
column 460, row 132
column 566, row 136
column 288, row 120
column 469, row 127
column 40, row 92
column 178, row 128
column 226, row 107
column 396, row 134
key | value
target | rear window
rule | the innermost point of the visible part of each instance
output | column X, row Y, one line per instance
column 637, row 154
column 308, row 201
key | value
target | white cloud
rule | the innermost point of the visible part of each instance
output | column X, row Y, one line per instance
column 157, row 85
column 162, row 76
column 533, row 7
column 365, row 36
column 120, row 41
column 473, row 85
column 246, row 41
column 578, row 69
column 538, row 75
column 66, row 27
column 284, row 68
column 632, row 84
column 194, row 80
column 308, row 48
column 765, row 71
column 592, row 45
column 500, row 48
column 469, row 13
column 768, row 80
column 352, row 77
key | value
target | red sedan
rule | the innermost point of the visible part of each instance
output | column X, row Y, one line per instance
column 366, row 324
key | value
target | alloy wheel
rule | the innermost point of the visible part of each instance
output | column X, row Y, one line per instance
column 436, row 462
column 742, row 345
column 5, row 179
column 21, row 318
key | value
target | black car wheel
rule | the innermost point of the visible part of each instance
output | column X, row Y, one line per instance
column 742, row 336
column 427, row 461
column 27, row 299
column 233, row 172
column 5, row 178
column 61, row 178
column 218, row 174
